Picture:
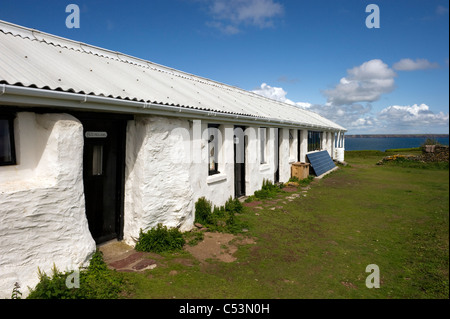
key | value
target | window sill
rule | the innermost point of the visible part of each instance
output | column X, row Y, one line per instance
column 216, row 178
column 264, row 167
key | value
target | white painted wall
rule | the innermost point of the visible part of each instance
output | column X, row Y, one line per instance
column 158, row 186
column 167, row 170
column 303, row 145
column 285, row 159
column 42, row 210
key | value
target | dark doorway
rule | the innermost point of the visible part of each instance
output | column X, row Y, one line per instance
column 277, row 154
column 239, row 161
column 103, row 175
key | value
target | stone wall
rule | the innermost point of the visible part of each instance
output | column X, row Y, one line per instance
column 42, row 211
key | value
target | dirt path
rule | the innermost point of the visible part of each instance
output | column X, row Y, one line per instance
column 218, row 246
column 215, row 246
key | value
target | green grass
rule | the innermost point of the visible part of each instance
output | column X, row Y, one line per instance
column 318, row 245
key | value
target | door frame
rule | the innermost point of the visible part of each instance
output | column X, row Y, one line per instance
column 120, row 122
column 242, row 186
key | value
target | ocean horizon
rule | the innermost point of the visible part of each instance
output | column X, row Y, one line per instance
column 385, row 143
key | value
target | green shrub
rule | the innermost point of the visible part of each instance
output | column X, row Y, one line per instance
column 95, row 282
column 160, row 239
column 220, row 218
column 16, row 294
column 430, row 141
column 268, row 190
column 203, row 211
column 302, row 182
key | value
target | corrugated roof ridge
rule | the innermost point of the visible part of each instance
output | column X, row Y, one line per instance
column 29, row 33
column 111, row 53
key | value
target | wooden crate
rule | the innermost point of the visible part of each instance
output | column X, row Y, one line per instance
column 300, row 170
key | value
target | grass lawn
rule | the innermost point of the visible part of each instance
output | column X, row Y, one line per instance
column 318, row 245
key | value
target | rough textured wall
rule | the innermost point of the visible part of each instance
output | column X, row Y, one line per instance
column 216, row 188
column 42, row 210
column 285, row 158
column 157, row 181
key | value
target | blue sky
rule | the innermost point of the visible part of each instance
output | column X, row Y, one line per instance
column 316, row 54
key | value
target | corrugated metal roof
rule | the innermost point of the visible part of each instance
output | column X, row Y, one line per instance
column 35, row 59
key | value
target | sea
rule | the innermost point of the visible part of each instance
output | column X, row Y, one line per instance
column 385, row 143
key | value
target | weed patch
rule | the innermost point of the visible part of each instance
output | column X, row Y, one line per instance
column 95, row 282
column 220, row 218
column 159, row 239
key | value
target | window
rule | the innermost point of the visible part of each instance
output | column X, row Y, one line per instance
column 213, row 149
column 263, row 140
column 97, row 160
column 7, row 148
column 314, row 141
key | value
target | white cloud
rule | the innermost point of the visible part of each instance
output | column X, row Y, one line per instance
column 278, row 94
column 415, row 115
column 410, row 65
column 229, row 15
column 304, row 105
column 274, row 93
column 357, row 117
column 364, row 83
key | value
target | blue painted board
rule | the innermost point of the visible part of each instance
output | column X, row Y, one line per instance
column 321, row 162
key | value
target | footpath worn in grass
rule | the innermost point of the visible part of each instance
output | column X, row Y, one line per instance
column 318, row 245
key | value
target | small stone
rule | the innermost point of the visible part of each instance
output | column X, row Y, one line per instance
column 198, row 225
column 145, row 264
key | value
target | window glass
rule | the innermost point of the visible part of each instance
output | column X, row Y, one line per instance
column 213, row 149
column 7, row 156
column 314, row 141
column 97, row 160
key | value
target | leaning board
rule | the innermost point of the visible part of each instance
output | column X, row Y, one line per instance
column 321, row 162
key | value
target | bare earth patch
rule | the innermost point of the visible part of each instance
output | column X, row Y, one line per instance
column 218, row 246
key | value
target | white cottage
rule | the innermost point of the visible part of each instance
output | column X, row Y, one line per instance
column 96, row 145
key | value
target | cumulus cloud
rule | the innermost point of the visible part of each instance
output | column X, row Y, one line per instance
column 364, row 83
column 349, row 115
column 360, row 117
column 410, row 65
column 278, row 94
column 413, row 115
column 229, row 15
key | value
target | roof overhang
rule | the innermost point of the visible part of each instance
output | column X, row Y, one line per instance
column 12, row 95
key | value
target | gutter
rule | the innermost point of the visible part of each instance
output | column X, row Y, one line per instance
column 32, row 97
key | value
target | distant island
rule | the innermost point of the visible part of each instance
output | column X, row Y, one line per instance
column 398, row 135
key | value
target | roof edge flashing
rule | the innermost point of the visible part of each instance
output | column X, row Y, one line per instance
column 101, row 103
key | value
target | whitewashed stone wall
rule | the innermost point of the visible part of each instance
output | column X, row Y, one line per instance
column 42, row 212
column 158, row 188
column 167, row 171
column 220, row 187
column 286, row 149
